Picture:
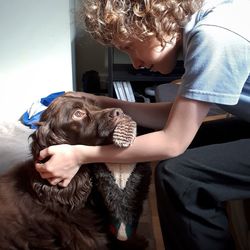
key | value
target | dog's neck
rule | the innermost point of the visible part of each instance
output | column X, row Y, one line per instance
column 121, row 172
column 72, row 197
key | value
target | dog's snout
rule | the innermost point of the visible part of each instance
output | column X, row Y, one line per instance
column 116, row 112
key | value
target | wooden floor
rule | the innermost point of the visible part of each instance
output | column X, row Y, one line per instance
column 149, row 225
column 154, row 215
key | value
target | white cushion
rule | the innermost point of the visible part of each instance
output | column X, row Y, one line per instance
column 14, row 144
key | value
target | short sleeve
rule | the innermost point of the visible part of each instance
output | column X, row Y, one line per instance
column 216, row 64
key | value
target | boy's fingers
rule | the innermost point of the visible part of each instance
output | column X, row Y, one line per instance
column 43, row 154
column 64, row 183
column 43, row 171
column 40, row 167
column 55, row 181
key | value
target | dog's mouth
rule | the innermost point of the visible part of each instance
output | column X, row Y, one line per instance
column 124, row 132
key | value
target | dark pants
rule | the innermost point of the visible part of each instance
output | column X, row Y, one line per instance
column 193, row 187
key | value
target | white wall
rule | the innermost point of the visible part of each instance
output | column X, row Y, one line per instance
column 35, row 52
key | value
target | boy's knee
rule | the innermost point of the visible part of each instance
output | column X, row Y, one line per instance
column 173, row 176
column 167, row 168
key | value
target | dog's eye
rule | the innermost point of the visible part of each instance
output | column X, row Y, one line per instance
column 78, row 114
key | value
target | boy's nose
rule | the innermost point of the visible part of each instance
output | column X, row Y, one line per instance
column 137, row 64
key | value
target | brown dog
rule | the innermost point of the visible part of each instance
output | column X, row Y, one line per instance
column 35, row 215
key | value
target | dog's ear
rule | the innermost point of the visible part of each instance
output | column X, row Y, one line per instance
column 39, row 123
column 73, row 196
column 39, row 139
column 44, row 137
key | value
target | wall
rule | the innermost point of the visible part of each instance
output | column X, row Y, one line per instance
column 36, row 52
column 91, row 55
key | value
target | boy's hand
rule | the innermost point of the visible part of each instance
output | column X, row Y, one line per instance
column 61, row 166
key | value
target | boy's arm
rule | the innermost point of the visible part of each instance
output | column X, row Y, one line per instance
column 183, row 122
column 149, row 115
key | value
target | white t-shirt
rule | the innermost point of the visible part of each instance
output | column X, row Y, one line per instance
column 216, row 53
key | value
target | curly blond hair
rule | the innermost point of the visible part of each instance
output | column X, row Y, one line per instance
column 121, row 20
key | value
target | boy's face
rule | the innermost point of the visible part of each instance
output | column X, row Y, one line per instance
column 151, row 55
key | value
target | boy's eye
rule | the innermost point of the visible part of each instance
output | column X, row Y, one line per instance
column 125, row 47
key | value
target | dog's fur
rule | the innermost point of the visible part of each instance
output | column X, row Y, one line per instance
column 35, row 215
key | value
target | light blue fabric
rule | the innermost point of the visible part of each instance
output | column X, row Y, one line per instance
column 216, row 52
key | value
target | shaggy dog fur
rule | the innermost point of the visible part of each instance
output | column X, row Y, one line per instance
column 35, row 215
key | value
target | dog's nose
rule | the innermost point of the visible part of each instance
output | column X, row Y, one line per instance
column 116, row 112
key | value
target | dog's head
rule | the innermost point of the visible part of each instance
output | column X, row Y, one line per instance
column 77, row 120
